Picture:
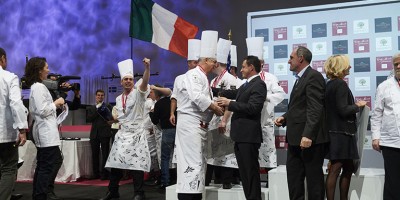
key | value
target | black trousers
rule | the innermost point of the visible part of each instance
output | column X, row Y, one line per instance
column 47, row 159
column 306, row 163
column 116, row 175
column 98, row 144
column 392, row 173
column 53, row 175
column 249, row 169
column 8, row 168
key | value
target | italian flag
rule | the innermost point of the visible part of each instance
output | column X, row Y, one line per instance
column 151, row 22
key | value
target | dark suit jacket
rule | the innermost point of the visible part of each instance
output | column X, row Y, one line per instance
column 340, row 108
column 100, row 128
column 246, row 118
column 305, row 116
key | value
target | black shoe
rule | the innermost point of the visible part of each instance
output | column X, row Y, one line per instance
column 226, row 186
column 52, row 196
column 110, row 196
column 16, row 196
column 139, row 197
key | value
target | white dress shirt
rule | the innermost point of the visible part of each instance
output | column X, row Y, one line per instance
column 13, row 114
column 385, row 118
column 43, row 110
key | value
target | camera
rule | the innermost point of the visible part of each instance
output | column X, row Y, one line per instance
column 56, row 84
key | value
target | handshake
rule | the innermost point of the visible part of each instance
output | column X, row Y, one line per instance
column 218, row 107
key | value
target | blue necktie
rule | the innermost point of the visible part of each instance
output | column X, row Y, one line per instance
column 297, row 79
column 245, row 84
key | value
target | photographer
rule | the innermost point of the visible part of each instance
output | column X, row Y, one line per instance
column 45, row 129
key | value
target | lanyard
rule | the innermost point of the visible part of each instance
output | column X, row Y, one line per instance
column 262, row 75
column 219, row 78
column 124, row 101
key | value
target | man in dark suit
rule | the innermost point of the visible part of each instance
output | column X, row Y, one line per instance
column 305, row 131
column 100, row 135
column 246, row 124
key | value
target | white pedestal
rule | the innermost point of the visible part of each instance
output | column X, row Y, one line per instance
column 367, row 186
column 215, row 192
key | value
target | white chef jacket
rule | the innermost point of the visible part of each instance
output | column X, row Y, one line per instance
column 385, row 118
column 43, row 110
column 13, row 114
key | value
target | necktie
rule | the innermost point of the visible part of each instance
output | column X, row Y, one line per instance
column 245, row 84
column 297, row 79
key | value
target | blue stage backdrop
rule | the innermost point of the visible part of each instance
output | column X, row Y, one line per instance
column 89, row 37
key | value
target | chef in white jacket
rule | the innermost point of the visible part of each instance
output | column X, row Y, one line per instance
column 13, row 123
column 222, row 157
column 275, row 95
column 193, row 61
column 195, row 111
column 130, row 149
column 385, row 128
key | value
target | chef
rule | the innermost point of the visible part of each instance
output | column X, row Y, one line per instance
column 195, row 111
column 130, row 149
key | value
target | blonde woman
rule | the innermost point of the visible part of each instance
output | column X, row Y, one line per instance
column 341, row 125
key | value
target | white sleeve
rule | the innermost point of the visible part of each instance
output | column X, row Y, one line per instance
column 377, row 113
column 175, row 90
column 276, row 94
column 19, row 111
column 195, row 85
column 43, row 107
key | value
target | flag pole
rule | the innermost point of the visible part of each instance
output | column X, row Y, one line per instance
column 228, row 66
column 131, row 48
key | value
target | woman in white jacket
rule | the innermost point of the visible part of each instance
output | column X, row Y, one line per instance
column 45, row 130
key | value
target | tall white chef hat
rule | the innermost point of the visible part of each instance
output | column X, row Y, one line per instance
column 125, row 68
column 223, row 48
column 194, row 49
column 233, row 56
column 255, row 47
column 209, row 44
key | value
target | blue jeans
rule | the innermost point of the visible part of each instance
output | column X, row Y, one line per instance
column 167, row 148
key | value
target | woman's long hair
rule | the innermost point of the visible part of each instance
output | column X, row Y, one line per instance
column 32, row 70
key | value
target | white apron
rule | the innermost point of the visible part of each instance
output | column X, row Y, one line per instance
column 190, row 143
column 220, row 146
column 267, row 152
column 275, row 94
column 130, row 149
